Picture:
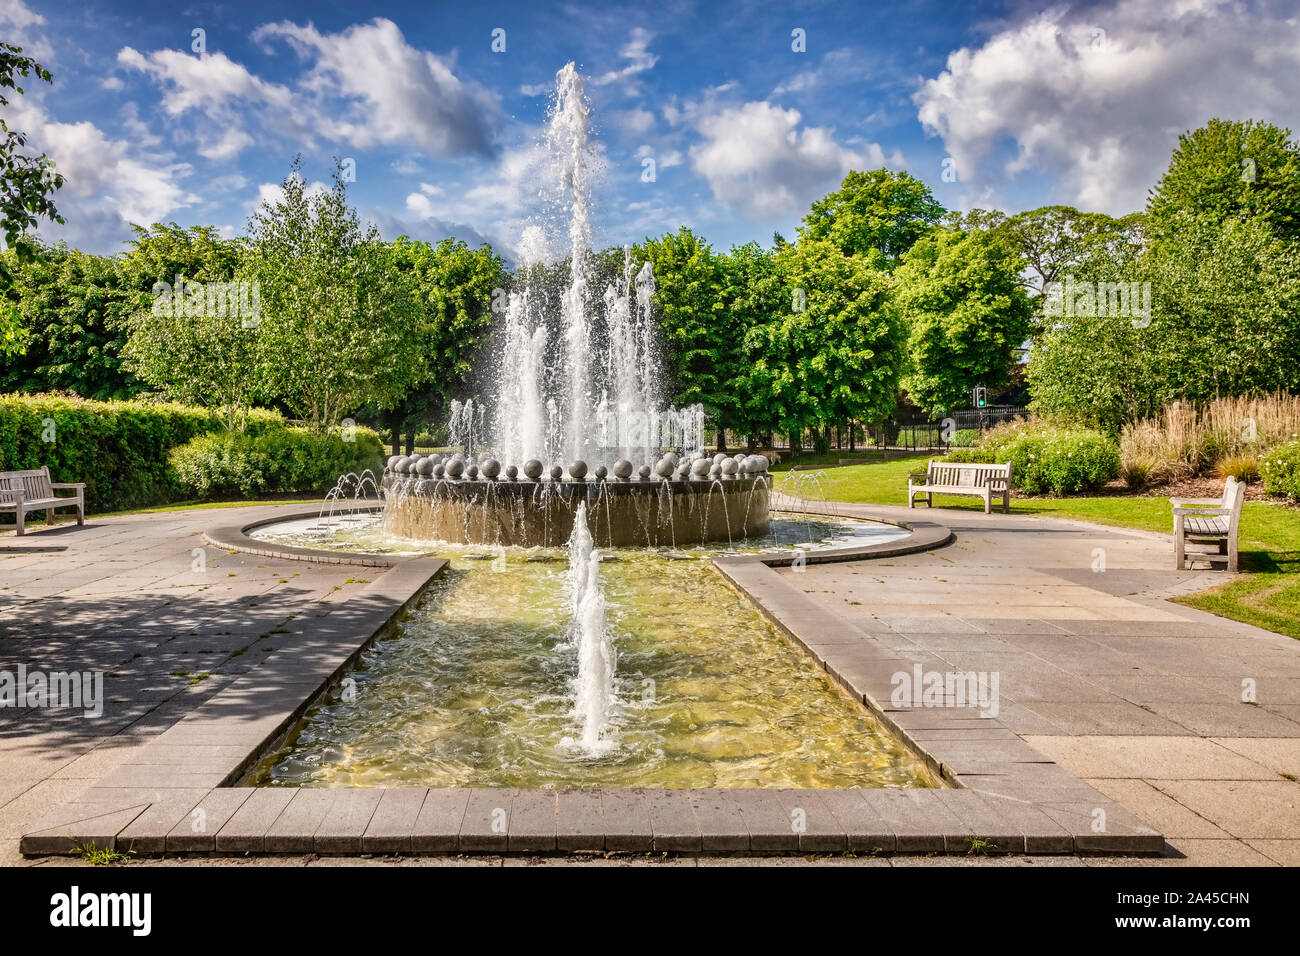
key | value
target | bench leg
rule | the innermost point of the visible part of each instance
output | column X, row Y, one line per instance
column 929, row 500
column 988, row 503
column 49, row 517
column 81, row 512
column 911, row 497
column 18, row 516
column 1006, row 502
column 1232, row 555
column 1180, row 545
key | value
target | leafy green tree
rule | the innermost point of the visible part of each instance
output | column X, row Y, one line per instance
column 27, row 185
column 73, row 306
column 1225, row 320
column 755, row 294
column 340, row 322
column 836, row 353
column 877, row 215
column 1230, row 170
column 965, row 313
column 698, row 331
column 456, row 287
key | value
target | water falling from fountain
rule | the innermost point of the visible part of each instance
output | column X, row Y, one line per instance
column 594, row 691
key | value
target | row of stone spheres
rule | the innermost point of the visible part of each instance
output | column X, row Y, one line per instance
column 668, row 468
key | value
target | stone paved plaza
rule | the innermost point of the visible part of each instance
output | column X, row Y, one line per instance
column 1139, row 697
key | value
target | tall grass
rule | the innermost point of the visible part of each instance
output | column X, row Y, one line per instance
column 1186, row 441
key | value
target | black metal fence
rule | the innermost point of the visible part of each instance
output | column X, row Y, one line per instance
column 958, row 429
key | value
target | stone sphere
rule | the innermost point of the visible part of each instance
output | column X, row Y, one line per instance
column 729, row 467
column 424, row 467
column 601, row 472
column 439, row 470
column 760, row 464
column 455, row 468
column 715, row 471
column 577, row 469
column 673, row 457
column 471, row 472
column 719, row 458
column 700, row 467
column 644, row 472
column 556, row 473
column 533, row 469
column 683, row 469
column 491, row 468
column 622, row 469
column 392, row 462
column 406, row 464
column 665, row 466
column 511, row 472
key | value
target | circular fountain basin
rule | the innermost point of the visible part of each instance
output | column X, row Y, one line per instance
column 541, row 513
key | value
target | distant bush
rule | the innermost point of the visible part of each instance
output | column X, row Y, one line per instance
column 1186, row 441
column 1280, row 470
column 1242, row 467
column 1045, row 457
column 235, row 464
column 119, row 448
column 969, row 455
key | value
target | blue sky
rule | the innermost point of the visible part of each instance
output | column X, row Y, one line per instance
column 1077, row 102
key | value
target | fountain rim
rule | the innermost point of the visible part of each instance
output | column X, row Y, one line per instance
column 924, row 536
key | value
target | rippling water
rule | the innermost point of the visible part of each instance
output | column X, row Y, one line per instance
column 477, row 689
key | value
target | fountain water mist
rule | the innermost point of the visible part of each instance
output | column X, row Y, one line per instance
column 594, row 691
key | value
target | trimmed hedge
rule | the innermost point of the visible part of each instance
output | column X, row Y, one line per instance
column 119, row 449
column 1280, row 470
column 1048, row 459
column 231, row 464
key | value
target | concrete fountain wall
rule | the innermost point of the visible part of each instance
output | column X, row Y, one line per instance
column 683, row 503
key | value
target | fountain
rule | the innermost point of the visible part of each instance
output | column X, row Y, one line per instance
column 582, row 385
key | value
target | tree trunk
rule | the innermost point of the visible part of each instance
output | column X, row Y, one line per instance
column 395, row 426
column 722, row 440
column 410, row 441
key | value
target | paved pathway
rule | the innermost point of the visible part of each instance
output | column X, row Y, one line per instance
column 168, row 620
column 1140, row 697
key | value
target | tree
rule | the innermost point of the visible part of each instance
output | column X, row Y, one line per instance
column 965, row 313
column 698, row 331
column 455, row 287
column 877, row 215
column 1225, row 321
column 835, row 353
column 340, row 323
column 73, row 305
column 754, row 294
column 27, row 184
column 1229, row 170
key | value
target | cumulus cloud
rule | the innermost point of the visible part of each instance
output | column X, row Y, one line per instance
column 1096, row 98
column 370, row 87
column 757, row 160
column 637, row 52
column 20, row 23
column 108, row 183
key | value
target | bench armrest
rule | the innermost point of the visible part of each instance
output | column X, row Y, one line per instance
column 11, row 495
column 68, row 484
column 1202, row 512
column 1207, row 502
column 999, row 482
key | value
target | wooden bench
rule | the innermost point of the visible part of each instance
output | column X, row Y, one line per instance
column 1209, row 520
column 962, row 478
column 24, row 491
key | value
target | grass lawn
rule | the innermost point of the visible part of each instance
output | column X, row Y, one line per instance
column 1268, row 595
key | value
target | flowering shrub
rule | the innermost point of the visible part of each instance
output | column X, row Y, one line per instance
column 1280, row 469
column 1047, row 458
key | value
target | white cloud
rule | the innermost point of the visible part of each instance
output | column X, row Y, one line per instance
column 367, row 86
column 634, row 122
column 758, row 161
column 19, row 20
column 1100, row 112
column 636, row 52
column 108, row 183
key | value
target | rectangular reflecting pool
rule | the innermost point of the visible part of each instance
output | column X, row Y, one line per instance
column 478, row 688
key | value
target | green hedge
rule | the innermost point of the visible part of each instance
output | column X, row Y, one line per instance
column 119, row 449
column 1048, row 459
column 229, row 464
column 1280, row 470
